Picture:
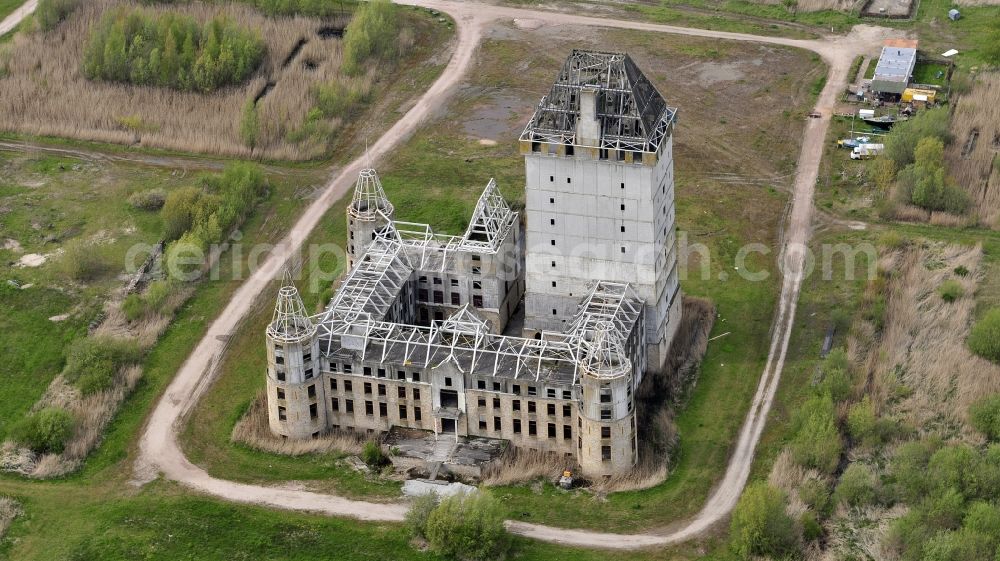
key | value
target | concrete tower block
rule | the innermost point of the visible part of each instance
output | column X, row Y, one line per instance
column 599, row 196
column 607, row 444
column 296, row 397
column 369, row 212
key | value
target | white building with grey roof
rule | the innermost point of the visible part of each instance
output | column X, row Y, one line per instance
column 418, row 333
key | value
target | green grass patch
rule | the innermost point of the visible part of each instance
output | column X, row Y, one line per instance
column 930, row 73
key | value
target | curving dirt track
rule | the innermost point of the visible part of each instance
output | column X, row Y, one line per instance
column 159, row 448
column 17, row 16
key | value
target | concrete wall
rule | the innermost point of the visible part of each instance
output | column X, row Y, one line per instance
column 594, row 219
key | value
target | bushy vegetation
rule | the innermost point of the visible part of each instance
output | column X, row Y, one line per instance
column 984, row 339
column 373, row 456
column 836, row 379
column 950, row 290
column 93, row 362
column 466, row 526
column 51, row 13
column 249, row 124
column 136, row 306
column 858, row 486
column 339, row 97
column 170, row 50
column 817, row 443
column 901, row 142
column 984, row 415
column 148, row 200
column 914, row 160
column 197, row 217
column 924, row 182
column 950, row 490
column 83, row 262
column 44, row 431
column 420, row 510
column 305, row 7
column 760, row 526
column 371, row 35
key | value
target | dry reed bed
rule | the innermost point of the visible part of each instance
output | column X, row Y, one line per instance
column 977, row 171
column 253, row 430
column 45, row 92
column 922, row 346
column 815, row 5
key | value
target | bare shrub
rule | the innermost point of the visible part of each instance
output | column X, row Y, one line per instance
column 253, row 430
column 647, row 474
column 516, row 465
column 9, row 510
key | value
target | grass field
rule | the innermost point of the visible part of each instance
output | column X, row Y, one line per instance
column 47, row 202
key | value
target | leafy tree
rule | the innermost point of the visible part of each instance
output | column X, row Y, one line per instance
column 925, row 183
column 984, row 339
column 760, row 525
column 170, row 50
column 178, row 211
column 468, row 526
column 44, row 431
column 985, row 416
column 901, row 142
column 858, row 486
column 372, row 34
column 862, row 423
column 962, row 545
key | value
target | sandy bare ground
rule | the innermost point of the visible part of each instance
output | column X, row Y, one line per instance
column 159, row 448
column 15, row 17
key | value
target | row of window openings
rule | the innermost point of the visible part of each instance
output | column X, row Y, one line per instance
column 380, row 389
column 516, row 389
column 532, row 427
column 347, row 368
column 383, row 409
column 550, row 408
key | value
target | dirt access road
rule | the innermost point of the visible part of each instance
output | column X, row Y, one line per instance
column 17, row 16
column 159, row 448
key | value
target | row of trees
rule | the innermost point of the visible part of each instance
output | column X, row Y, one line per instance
column 171, row 50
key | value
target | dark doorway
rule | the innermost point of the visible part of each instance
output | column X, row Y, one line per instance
column 448, row 426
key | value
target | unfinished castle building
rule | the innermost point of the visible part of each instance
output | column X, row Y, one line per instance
column 418, row 334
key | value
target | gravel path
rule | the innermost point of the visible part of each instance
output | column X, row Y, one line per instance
column 17, row 16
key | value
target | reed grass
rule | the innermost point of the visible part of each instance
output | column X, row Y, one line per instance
column 253, row 430
column 45, row 92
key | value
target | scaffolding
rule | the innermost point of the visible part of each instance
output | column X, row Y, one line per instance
column 489, row 227
column 289, row 322
column 369, row 199
column 466, row 341
column 633, row 115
